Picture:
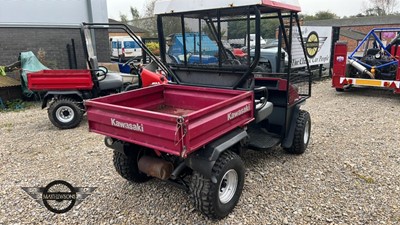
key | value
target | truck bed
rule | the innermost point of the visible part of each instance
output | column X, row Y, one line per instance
column 174, row 119
column 48, row 80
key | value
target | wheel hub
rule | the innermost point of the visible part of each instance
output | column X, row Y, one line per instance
column 306, row 132
column 228, row 186
column 65, row 114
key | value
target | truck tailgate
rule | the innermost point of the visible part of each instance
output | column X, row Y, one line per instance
column 175, row 119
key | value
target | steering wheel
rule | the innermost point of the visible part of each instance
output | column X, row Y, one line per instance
column 101, row 73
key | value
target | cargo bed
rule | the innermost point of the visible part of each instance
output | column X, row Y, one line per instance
column 50, row 80
column 174, row 119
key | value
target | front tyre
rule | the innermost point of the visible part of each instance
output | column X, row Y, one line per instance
column 65, row 113
column 217, row 200
column 301, row 134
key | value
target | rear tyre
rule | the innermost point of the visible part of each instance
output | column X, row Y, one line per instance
column 127, row 166
column 217, row 200
column 301, row 134
column 65, row 113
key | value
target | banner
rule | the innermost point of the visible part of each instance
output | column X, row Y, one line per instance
column 317, row 41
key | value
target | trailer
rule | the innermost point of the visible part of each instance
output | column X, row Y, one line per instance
column 192, row 131
column 378, row 66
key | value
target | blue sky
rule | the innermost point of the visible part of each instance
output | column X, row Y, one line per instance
column 340, row 7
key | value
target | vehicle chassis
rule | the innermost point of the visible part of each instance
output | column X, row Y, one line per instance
column 192, row 131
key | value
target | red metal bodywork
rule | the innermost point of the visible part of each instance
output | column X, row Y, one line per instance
column 238, row 53
column 281, row 5
column 395, row 51
column 280, row 84
column 150, row 78
column 174, row 119
column 60, row 80
column 339, row 64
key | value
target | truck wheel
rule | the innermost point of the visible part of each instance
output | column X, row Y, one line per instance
column 65, row 113
column 217, row 199
column 301, row 134
column 127, row 166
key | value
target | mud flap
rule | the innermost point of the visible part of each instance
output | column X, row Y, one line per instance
column 117, row 145
column 288, row 141
column 204, row 159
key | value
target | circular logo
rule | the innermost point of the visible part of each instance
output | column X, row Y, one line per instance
column 312, row 44
column 59, row 196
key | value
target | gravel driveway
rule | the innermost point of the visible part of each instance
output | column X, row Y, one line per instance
column 350, row 173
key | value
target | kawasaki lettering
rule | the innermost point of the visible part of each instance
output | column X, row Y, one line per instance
column 238, row 113
column 129, row 126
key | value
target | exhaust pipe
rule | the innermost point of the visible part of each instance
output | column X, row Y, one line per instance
column 155, row 167
column 361, row 68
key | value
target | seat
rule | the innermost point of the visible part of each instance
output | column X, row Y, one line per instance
column 264, row 112
column 111, row 81
column 373, row 51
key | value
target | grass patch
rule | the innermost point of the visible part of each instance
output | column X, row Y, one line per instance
column 368, row 180
column 8, row 126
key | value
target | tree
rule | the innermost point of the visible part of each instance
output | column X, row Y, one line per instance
column 149, row 21
column 325, row 15
column 380, row 7
column 238, row 29
column 149, row 8
column 206, row 30
column 134, row 13
column 321, row 15
column 123, row 17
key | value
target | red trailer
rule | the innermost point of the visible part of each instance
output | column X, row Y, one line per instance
column 192, row 131
column 378, row 66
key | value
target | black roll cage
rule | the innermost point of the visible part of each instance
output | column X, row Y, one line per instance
column 251, row 13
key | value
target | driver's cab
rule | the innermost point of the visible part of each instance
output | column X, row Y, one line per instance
column 192, row 44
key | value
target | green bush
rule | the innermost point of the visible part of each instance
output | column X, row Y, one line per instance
column 154, row 47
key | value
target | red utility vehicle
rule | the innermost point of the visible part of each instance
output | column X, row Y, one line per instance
column 67, row 89
column 192, row 131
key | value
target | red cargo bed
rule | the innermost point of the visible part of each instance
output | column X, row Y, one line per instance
column 175, row 119
column 48, row 80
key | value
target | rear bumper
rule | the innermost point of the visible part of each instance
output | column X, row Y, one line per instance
column 340, row 82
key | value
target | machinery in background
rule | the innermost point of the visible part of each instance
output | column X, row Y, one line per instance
column 377, row 67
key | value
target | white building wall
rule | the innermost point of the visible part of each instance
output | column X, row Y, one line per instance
column 52, row 12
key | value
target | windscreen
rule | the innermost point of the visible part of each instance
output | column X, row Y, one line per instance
column 200, row 42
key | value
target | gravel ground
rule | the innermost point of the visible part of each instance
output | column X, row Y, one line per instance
column 349, row 174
